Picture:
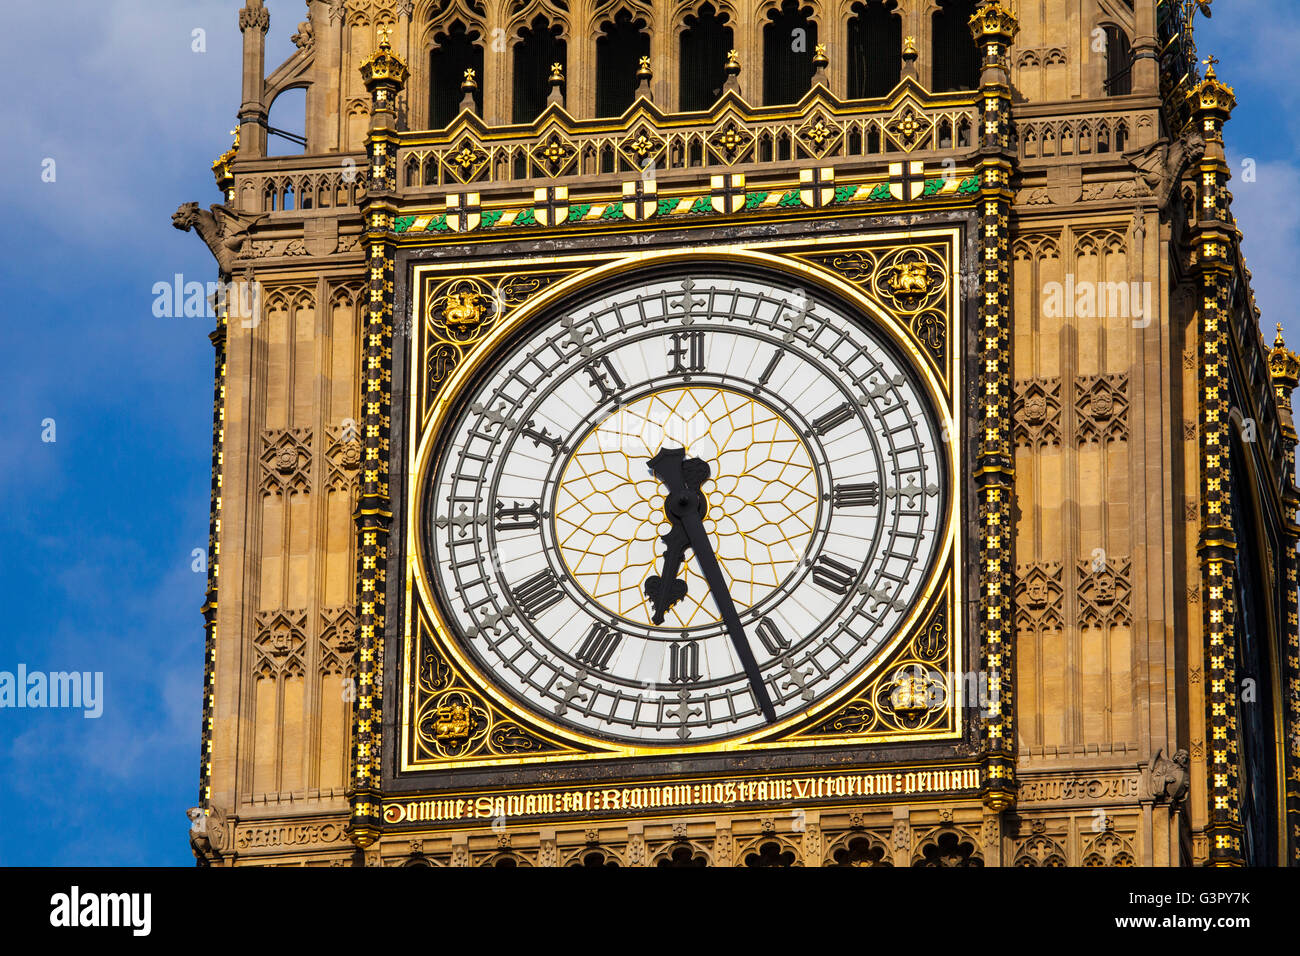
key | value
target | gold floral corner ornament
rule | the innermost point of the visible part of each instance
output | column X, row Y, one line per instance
column 554, row 155
column 454, row 722
column 469, row 161
column 911, row 695
column 912, row 282
column 642, row 148
column 819, row 134
column 730, row 142
column 458, row 312
column 907, row 127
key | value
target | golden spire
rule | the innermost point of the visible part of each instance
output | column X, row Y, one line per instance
column 1213, row 97
column 384, row 64
column 221, row 167
column 1284, row 369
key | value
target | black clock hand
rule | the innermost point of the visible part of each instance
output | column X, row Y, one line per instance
column 666, row 590
column 682, row 477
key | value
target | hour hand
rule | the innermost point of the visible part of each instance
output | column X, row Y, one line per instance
column 666, row 590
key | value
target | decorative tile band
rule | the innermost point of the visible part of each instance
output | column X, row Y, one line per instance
column 464, row 214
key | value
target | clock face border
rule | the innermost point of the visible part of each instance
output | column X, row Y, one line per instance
column 414, row 446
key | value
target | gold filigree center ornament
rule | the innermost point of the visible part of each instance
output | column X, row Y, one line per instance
column 763, row 500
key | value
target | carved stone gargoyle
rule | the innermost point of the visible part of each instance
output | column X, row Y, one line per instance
column 1160, row 165
column 223, row 229
column 207, row 834
column 1169, row 779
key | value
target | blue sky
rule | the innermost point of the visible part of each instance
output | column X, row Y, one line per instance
column 97, row 535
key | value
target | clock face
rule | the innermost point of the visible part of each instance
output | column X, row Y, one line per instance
column 686, row 510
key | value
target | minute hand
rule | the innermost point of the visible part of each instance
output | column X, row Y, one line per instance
column 708, row 562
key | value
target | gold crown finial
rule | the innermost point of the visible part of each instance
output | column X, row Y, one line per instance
column 557, row 72
column 733, row 62
column 1210, row 63
column 384, row 65
column 1284, row 369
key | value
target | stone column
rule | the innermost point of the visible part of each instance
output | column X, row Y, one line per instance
column 384, row 74
column 1146, row 49
column 1212, row 237
column 994, row 28
column 254, row 21
column 1284, row 368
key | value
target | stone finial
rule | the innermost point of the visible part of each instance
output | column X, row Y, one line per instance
column 732, row 69
column 254, row 15
column 820, row 62
column 644, row 75
column 556, row 79
column 909, row 58
column 468, row 86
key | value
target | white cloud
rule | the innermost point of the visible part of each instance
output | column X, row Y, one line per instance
column 133, row 119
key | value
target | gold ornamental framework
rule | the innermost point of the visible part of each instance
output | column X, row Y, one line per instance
column 940, row 600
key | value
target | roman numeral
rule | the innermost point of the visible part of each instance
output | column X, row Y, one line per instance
column 537, row 594
column 519, row 518
column 607, row 382
column 773, row 640
column 684, row 663
column 541, row 437
column 832, row 575
column 599, row 646
column 832, row 419
column 863, row 495
column 687, row 352
column 771, row 367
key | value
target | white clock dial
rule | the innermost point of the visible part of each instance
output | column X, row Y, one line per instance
column 823, row 509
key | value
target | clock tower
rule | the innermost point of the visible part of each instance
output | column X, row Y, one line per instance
column 745, row 433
